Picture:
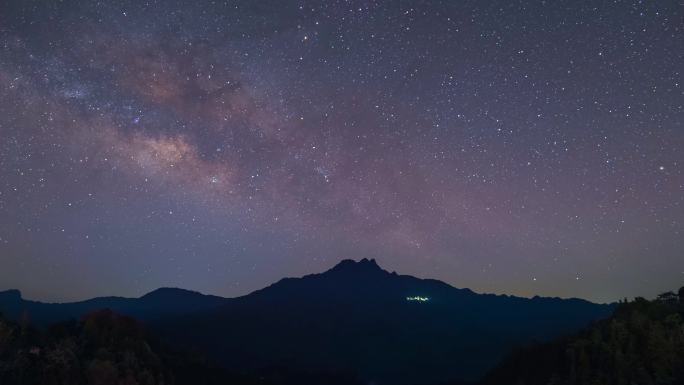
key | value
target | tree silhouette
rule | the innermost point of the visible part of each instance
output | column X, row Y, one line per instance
column 106, row 348
column 641, row 343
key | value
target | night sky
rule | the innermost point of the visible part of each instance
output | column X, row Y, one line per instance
column 518, row 147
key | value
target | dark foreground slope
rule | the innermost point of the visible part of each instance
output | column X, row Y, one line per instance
column 106, row 348
column 641, row 343
column 165, row 302
column 356, row 317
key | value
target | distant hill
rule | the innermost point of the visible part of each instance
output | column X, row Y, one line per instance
column 389, row 328
column 161, row 303
column 641, row 343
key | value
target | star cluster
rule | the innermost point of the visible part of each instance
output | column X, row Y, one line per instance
column 520, row 147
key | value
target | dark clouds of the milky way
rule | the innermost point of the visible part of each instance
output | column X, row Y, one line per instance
column 520, row 147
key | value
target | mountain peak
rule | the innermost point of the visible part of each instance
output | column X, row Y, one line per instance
column 170, row 292
column 362, row 266
column 12, row 294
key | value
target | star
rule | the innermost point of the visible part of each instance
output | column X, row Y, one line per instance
column 436, row 142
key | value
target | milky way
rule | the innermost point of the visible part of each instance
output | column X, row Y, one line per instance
column 510, row 147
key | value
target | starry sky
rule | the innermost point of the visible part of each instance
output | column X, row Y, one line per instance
column 518, row 147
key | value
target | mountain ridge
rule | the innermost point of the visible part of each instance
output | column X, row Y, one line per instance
column 158, row 303
column 358, row 317
column 354, row 317
column 343, row 265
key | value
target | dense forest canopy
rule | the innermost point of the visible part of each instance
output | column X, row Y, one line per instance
column 106, row 348
column 641, row 343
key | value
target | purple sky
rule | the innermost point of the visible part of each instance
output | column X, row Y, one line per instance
column 509, row 147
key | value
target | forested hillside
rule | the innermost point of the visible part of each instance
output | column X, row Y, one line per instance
column 641, row 343
column 106, row 348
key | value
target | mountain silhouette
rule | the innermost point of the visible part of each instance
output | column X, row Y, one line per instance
column 160, row 303
column 354, row 318
column 388, row 328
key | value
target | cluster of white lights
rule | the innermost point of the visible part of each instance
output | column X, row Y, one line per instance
column 418, row 298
